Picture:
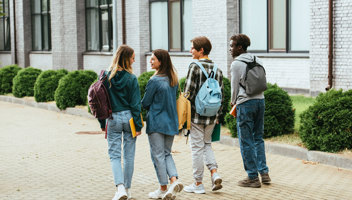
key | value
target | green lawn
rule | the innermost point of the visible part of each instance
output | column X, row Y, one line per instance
column 300, row 104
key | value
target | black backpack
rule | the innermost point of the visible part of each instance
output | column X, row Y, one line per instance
column 98, row 99
column 254, row 81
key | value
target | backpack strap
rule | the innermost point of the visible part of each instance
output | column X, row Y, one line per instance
column 202, row 68
column 103, row 77
column 212, row 73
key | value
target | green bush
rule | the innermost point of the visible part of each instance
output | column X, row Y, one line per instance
column 73, row 89
column 23, row 82
column 142, row 82
column 182, row 83
column 327, row 124
column 279, row 113
column 7, row 74
column 46, row 84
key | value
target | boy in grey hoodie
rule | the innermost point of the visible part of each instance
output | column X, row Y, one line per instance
column 250, row 116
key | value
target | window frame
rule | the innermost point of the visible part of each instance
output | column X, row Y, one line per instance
column 4, row 18
column 269, row 33
column 42, row 13
column 182, row 48
column 110, row 25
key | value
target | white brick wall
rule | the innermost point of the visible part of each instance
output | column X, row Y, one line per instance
column 41, row 61
column 288, row 72
column 97, row 62
column 5, row 59
column 342, row 68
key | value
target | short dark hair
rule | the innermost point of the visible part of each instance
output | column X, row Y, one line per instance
column 241, row 40
column 202, row 42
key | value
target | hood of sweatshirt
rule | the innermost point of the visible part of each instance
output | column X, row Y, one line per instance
column 247, row 57
column 120, row 79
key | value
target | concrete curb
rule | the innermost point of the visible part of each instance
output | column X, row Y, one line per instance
column 46, row 106
column 274, row 148
column 298, row 152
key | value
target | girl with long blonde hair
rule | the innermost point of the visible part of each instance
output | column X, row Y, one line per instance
column 125, row 101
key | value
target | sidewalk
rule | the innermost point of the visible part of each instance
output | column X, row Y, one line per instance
column 43, row 158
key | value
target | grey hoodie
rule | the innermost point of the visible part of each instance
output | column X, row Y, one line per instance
column 238, row 70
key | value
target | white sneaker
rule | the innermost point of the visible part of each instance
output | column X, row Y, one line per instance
column 195, row 189
column 173, row 189
column 120, row 195
column 216, row 182
column 129, row 195
column 157, row 194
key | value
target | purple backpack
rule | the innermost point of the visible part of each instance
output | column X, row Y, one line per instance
column 98, row 99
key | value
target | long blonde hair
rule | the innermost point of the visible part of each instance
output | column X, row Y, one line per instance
column 166, row 68
column 121, row 60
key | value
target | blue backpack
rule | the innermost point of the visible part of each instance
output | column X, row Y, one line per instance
column 208, row 99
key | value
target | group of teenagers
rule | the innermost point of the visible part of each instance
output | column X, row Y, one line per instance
column 162, row 119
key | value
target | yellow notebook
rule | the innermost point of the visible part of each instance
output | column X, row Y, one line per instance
column 133, row 127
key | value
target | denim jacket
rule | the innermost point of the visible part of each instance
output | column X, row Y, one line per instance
column 160, row 101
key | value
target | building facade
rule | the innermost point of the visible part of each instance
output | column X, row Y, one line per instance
column 290, row 36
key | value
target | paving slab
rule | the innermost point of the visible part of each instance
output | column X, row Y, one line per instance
column 42, row 157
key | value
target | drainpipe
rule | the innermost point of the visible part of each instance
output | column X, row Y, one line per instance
column 330, row 77
column 14, row 31
column 123, row 21
column 114, row 25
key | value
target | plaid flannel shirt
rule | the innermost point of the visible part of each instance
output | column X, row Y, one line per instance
column 194, row 81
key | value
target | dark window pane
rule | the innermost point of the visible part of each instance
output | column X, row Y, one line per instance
column 105, row 30
column 92, row 29
column 91, row 3
column 277, row 25
column 36, row 31
column 175, row 25
column 2, row 32
column 46, row 33
column 7, row 34
column 36, row 7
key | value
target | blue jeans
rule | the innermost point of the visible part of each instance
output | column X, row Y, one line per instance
column 160, row 151
column 250, row 129
column 119, row 127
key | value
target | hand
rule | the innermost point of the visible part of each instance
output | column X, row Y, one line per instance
column 138, row 133
column 217, row 121
column 103, row 129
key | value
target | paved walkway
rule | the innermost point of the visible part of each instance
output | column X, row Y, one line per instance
column 42, row 157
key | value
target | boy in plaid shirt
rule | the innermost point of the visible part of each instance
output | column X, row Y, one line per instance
column 202, row 126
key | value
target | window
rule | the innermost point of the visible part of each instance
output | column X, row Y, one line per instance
column 276, row 25
column 99, row 25
column 5, row 40
column 41, row 25
column 171, row 24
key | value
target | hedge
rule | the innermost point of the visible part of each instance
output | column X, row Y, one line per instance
column 73, row 89
column 278, row 117
column 327, row 124
column 23, row 82
column 46, row 84
column 7, row 74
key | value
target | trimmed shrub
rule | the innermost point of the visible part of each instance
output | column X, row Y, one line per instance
column 142, row 82
column 182, row 83
column 7, row 74
column 327, row 124
column 46, row 84
column 73, row 89
column 279, row 113
column 23, row 82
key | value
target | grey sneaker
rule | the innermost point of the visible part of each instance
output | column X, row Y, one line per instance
column 247, row 182
column 195, row 189
column 216, row 182
column 174, row 188
column 265, row 178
